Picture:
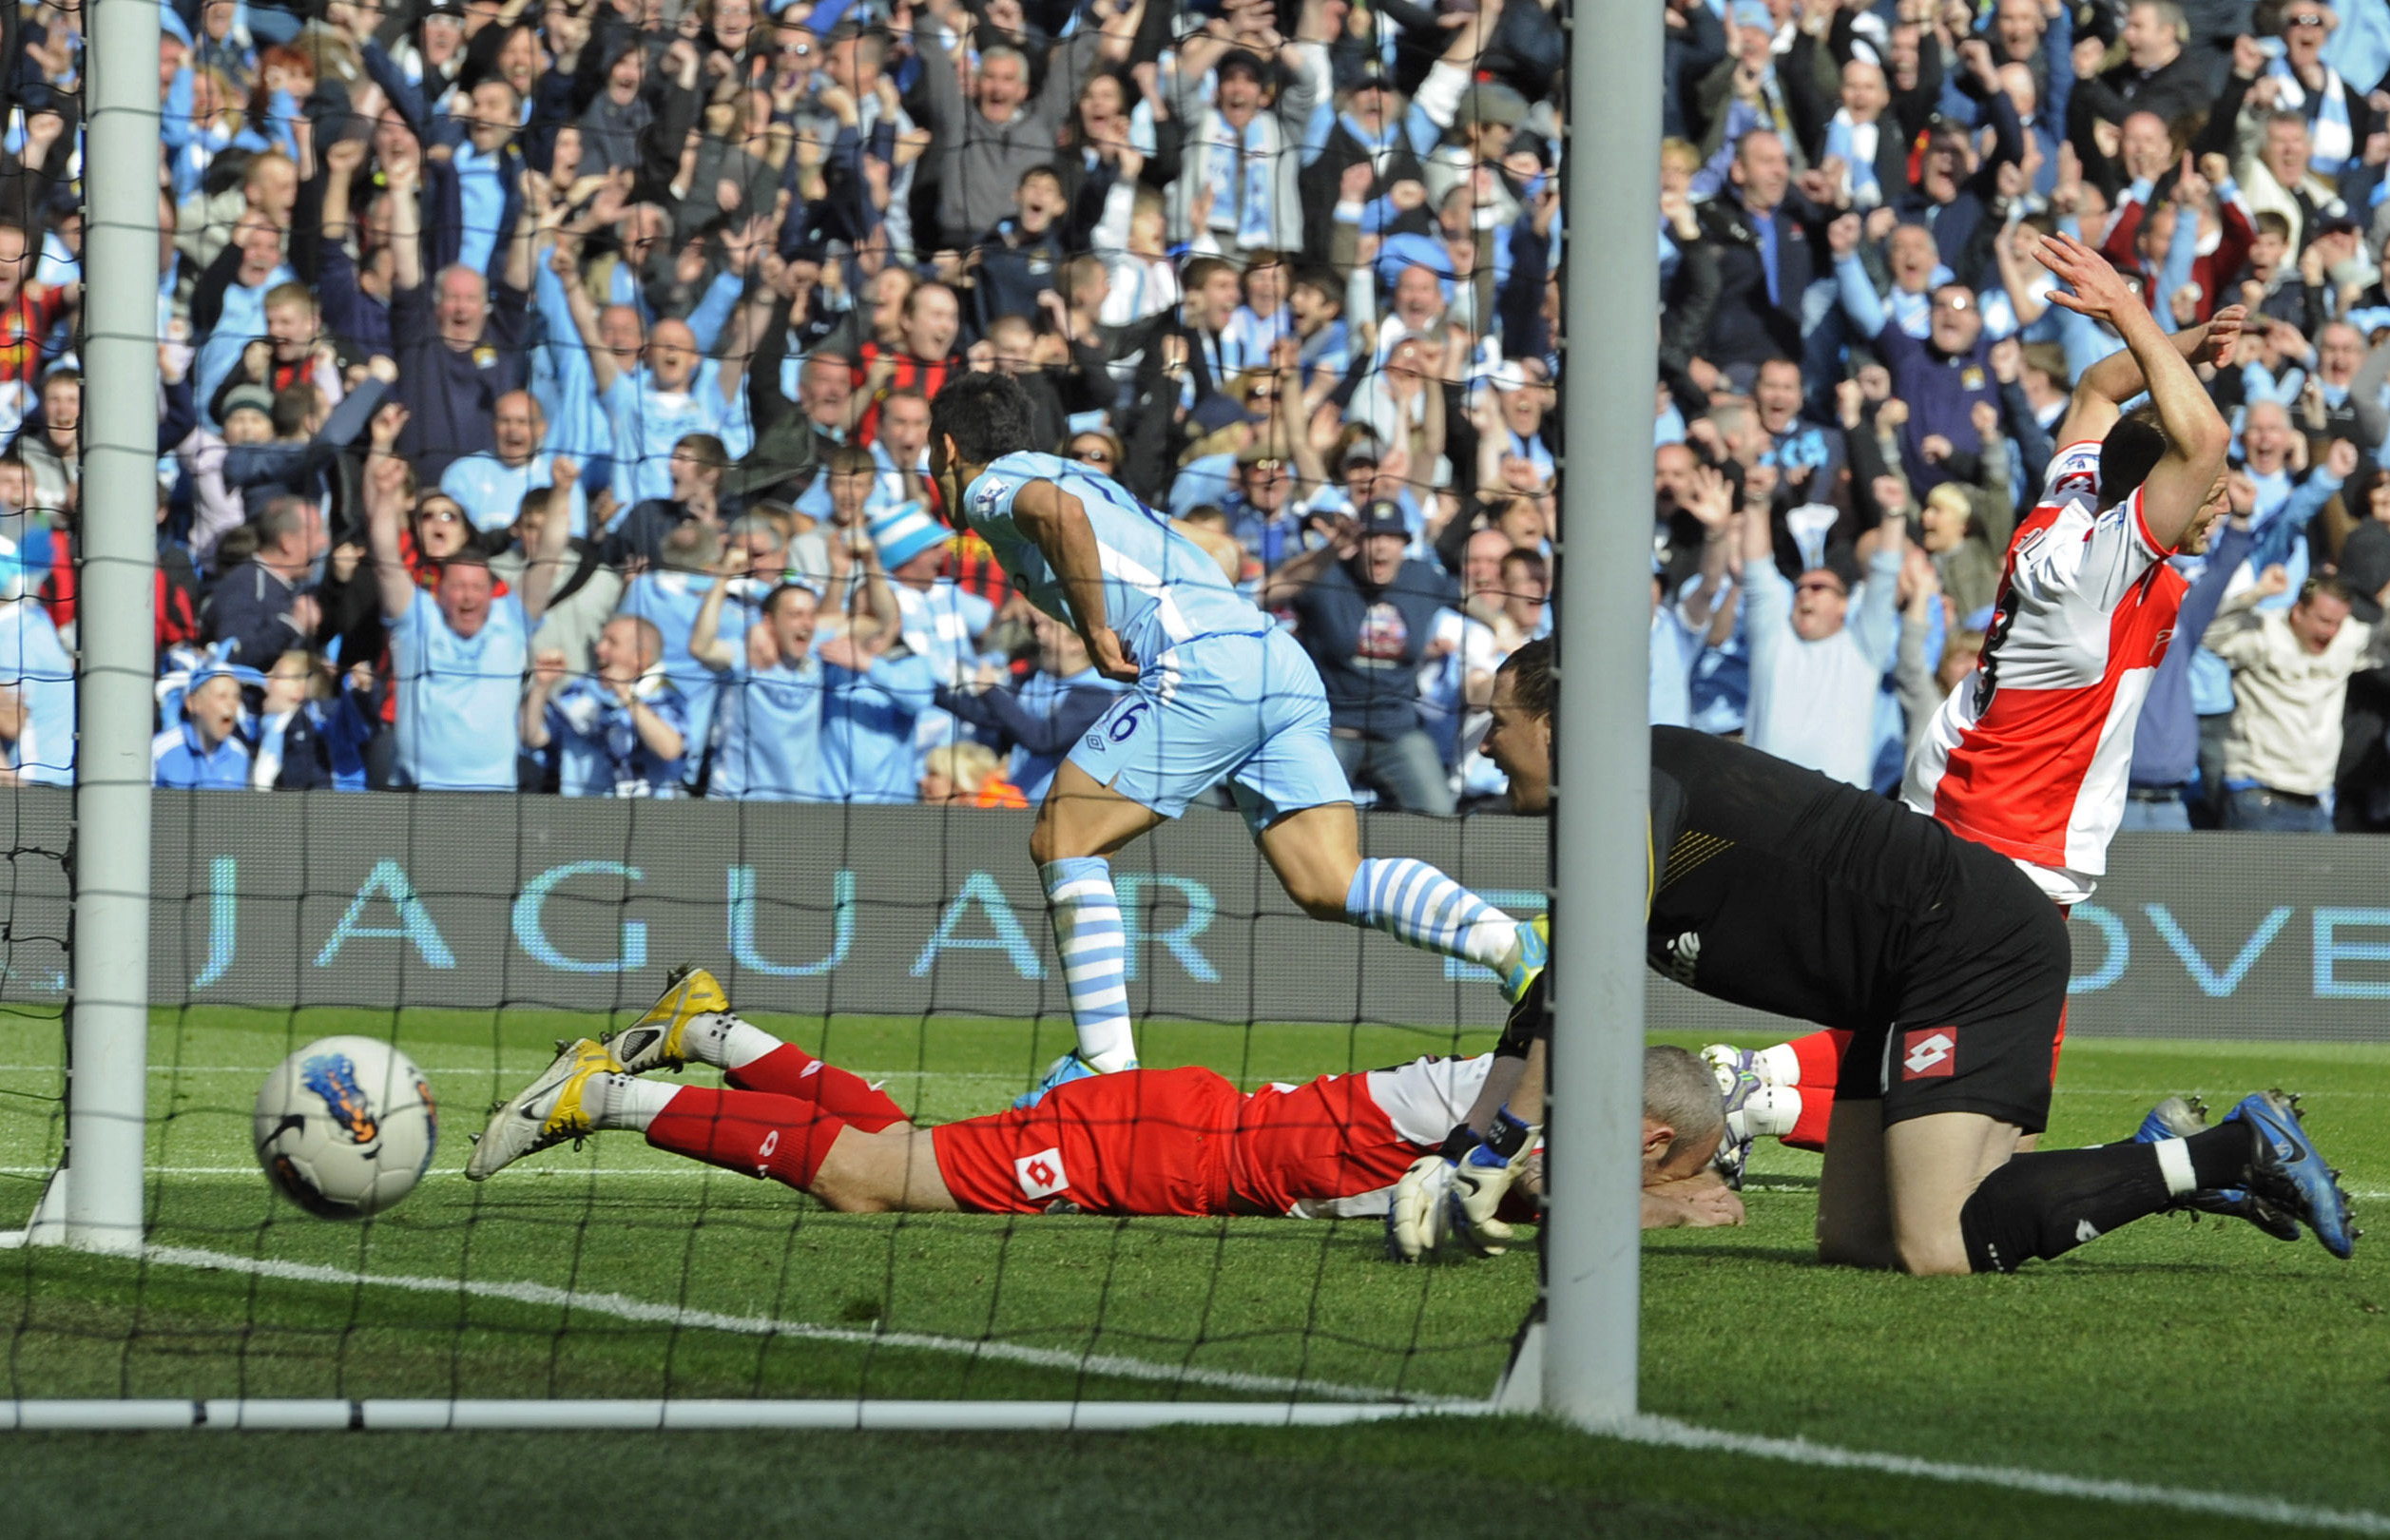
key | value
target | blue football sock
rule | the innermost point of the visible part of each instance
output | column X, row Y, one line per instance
column 1093, row 946
column 1413, row 902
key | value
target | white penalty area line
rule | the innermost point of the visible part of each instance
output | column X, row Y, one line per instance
column 624, row 1307
column 1668, row 1433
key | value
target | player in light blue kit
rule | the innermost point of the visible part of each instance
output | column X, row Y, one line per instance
column 1220, row 694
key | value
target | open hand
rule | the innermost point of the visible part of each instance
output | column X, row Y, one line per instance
column 2100, row 290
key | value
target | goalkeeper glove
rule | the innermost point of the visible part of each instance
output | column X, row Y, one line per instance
column 1457, row 1190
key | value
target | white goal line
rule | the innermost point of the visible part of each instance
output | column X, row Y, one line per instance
column 624, row 1307
column 1341, row 1404
column 258, row 1416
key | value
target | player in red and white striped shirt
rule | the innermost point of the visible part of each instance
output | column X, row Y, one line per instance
column 2029, row 754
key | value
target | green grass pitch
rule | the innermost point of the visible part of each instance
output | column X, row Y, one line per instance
column 2187, row 1355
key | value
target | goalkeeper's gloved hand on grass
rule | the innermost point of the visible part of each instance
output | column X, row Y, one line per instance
column 1457, row 1190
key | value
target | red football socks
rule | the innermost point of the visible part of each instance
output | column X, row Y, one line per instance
column 751, row 1132
column 1821, row 1056
column 789, row 1071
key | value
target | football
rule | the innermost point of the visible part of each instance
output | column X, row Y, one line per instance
column 345, row 1126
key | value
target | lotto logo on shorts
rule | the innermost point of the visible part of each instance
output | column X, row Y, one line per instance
column 1927, row 1054
column 1041, row 1175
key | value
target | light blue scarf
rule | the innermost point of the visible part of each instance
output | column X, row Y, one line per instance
column 2333, row 141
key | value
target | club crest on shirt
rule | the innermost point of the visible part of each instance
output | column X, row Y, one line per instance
column 1971, row 377
column 991, row 491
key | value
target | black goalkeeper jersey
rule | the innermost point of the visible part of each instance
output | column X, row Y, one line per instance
column 1792, row 892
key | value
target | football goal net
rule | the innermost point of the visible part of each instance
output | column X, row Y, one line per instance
column 760, row 1053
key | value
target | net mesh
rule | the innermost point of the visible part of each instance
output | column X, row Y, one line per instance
column 532, row 294
column 468, row 933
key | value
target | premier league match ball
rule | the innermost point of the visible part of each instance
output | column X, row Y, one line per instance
column 346, row 1126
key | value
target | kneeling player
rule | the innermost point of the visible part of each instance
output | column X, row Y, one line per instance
column 1143, row 1142
column 1790, row 893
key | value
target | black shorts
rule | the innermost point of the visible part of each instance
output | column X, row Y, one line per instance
column 1981, row 997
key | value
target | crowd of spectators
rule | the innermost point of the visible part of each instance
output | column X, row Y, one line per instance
column 1861, row 373
column 547, row 383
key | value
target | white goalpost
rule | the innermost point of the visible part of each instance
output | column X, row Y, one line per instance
column 1577, row 1360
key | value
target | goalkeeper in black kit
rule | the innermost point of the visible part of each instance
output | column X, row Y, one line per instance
column 1776, row 888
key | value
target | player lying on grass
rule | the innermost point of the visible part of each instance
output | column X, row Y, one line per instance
column 1220, row 694
column 1151, row 1141
column 1783, row 890
column 2028, row 753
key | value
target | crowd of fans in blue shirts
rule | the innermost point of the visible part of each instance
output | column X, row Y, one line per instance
column 545, row 387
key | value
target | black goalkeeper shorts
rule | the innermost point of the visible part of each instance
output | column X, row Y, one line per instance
column 1981, row 1002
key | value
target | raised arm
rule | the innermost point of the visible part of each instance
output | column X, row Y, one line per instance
column 548, row 558
column 404, row 173
column 603, row 371
column 1876, row 627
column 706, row 642
column 1058, row 523
column 2100, row 394
column 547, row 672
column 385, row 506
column 2196, row 436
column 1712, row 504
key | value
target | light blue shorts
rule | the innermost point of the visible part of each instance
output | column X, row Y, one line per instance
column 1246, row 710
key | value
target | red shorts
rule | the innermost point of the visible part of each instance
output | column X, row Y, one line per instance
column 1140, row 1142
column 1329, row 1139
column 1179, row 1142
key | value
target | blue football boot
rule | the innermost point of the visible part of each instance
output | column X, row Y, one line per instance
column 1534, row 952
column 2289, row 1174
column 2179, row 1117
column 1061, row 1072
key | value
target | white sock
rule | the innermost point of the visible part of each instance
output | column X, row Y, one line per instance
column 740, row 1044
column 625, row 1102
column 1771, row 1111
column 725, row 1041
column 1779, row 1065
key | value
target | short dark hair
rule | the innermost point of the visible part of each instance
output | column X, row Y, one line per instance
column 293, row 405
column 771, row 601
column 708, row 452
column 2326, row 588
column 1531, row 682
column 1201, row 271
column 2131, row 450
column 281, row 516
column 987, row 415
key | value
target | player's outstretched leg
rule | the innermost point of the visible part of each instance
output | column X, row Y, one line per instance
column 1316, row 855
column 799, row 1141
column 564, row 1101
column 2047, row 1202
column 692, row 1022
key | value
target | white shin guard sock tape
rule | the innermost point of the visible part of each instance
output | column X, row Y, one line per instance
column 628, row 1102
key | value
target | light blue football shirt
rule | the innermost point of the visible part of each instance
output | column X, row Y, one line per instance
column 1160, row 588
